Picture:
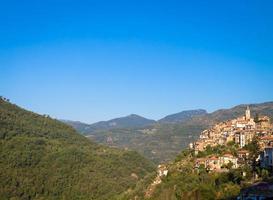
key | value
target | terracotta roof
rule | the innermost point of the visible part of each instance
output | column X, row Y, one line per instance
column 243, row 151
column 264, row 118
column 213, row 158
column 267, row 138
column 228, row 155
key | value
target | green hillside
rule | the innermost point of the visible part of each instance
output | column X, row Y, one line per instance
column 42, row 158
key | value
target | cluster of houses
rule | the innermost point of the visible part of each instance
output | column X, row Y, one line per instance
column 215, row 163
column 241, row 131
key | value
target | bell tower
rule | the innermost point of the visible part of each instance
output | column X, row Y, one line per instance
column 247, row 115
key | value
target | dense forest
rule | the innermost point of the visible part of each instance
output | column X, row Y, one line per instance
column 42, row 158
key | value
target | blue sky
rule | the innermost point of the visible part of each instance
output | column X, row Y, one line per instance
column 96, row 60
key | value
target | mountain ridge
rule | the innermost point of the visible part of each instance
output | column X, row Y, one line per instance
column 133, row 121
column 129, row 121
column 182, row 116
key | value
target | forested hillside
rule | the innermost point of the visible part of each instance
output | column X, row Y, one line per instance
column 183, row 116
column 42, row 158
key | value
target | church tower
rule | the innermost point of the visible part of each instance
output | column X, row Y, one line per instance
column 247, row 116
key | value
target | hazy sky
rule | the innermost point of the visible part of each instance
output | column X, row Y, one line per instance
column 96, row 60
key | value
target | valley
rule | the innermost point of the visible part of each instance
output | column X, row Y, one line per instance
column 161, row 141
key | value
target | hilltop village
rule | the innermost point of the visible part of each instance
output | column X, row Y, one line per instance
column 238, row 154
column 241, row 132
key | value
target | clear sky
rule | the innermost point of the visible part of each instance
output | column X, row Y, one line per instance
column 96, row 60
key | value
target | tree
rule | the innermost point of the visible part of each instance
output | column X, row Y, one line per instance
column 229, row 165
column 264, row 174
column 256, row 118
column 254, row 152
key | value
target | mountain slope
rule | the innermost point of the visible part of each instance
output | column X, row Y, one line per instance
column 183, row 116
column 42, row 158
column 131, row 121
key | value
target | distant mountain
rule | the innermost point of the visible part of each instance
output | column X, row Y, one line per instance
column 183, row 116
column 131, row 121
column 42, row 158
column 128, row 122
column 79, row 126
